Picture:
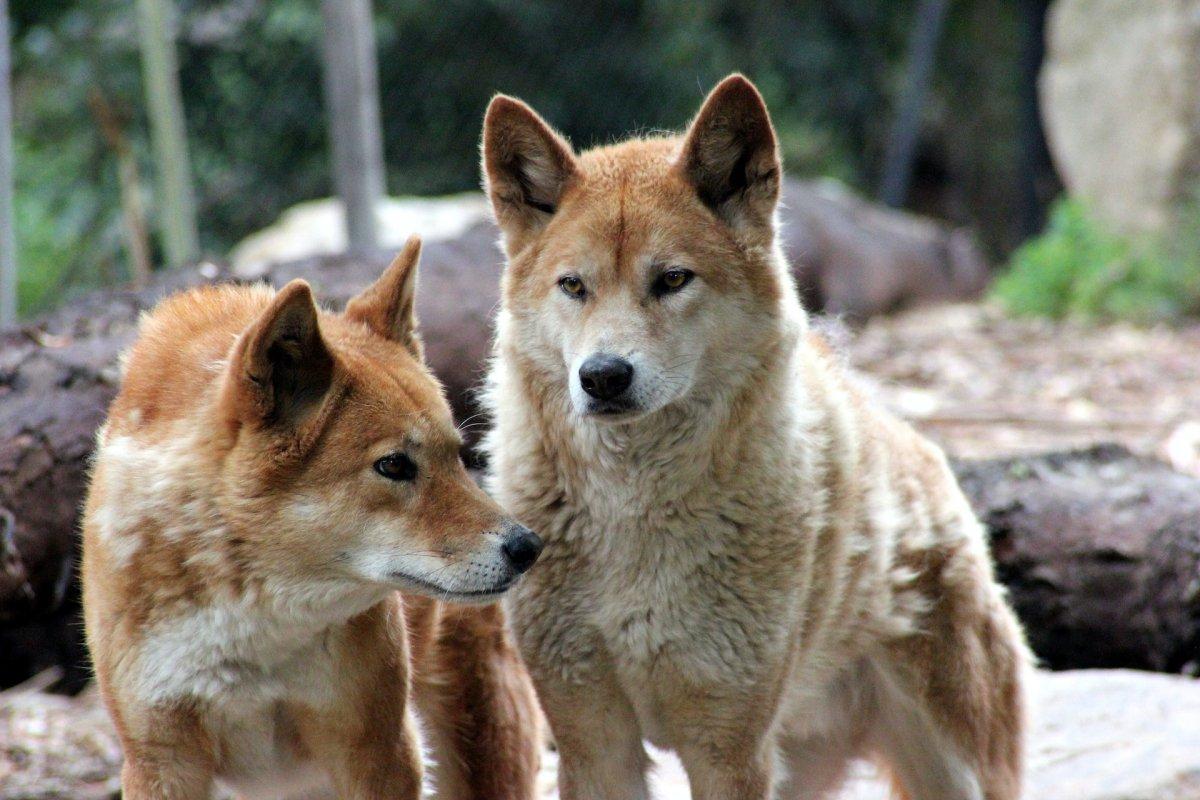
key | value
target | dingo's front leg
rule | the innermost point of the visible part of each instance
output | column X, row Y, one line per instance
column 477, row 707
column 380, row 763
column 376, row 755
column 168, row 755
column 730, row 770
column 601, row 756
column 727, row 743
column 165, row 777
column 362, row 733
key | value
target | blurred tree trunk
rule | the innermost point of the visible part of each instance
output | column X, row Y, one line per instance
column 137, row 239
column 902, row 139
column 8, row 247
column 168, row 131
column 1035, row 171
column 352, row 106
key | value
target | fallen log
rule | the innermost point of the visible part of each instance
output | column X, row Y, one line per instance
column 1100, row 550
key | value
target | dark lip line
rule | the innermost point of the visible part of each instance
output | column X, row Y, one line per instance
column 436, row 590
column 612, row 411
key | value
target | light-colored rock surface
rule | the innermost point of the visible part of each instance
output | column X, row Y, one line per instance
column 56, row 748
column 1120, row 97
column 1115, row 735
column 317, row 227
column 1097, row 735
column 850, row 256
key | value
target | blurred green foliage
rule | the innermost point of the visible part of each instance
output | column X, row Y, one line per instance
column 1079, row 268
column 251, row 84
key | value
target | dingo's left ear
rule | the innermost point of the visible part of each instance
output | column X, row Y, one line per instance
column 388, row 306
column 731, row 157
column 281, row 367
column 526, row 168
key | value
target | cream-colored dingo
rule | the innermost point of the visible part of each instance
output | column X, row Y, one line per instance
column 746, row 561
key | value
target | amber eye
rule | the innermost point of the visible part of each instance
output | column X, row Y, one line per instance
column 397, row 467
column 672, row 281
column 572, row 285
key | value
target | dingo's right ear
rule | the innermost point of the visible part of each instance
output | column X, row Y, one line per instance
column 281, row 367
column 388, row 306
column 526, row 168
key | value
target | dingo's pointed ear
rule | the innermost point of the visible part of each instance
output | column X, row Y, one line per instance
column 731, row 157
column 281, row 366
column 388, row 306
column 526, row 168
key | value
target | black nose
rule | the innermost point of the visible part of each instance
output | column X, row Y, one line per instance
column 521, row 547
column 605, row 377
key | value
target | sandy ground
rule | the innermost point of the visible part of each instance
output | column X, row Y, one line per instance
column 982, row 384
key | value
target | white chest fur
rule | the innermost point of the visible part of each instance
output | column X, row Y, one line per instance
column 231, row 653
column 685, row 588
column 246, row 667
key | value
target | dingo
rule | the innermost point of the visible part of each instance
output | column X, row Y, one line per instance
column 746, row 561
column 268, row 476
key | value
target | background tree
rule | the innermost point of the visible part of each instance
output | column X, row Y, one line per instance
column 168, row 130
column 1037, row 183
column 137, row 237
column 902, row 141
column 8, row 248
column 352, row 107
column 251, row 73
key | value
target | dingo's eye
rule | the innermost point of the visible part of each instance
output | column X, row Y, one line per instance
column 573, row 286
column 396, row 467
column 672, row 281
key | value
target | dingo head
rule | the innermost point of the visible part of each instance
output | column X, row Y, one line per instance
column 644, row 273
column 346, row 456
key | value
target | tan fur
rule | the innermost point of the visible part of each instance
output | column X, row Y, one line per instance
column 752, row 565
column 242, row 555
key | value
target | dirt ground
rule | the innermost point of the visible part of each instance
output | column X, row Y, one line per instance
column 982, row 384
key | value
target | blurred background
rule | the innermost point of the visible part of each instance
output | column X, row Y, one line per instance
column 837, row 76
column 994, row 203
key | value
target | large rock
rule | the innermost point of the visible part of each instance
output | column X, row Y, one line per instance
column 1120, row 96
column 856, row 259
column 1115, row 735
column 1096, row 735
column 317, row 228
column 850, row 256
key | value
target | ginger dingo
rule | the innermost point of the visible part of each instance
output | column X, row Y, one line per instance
column 268, row 477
